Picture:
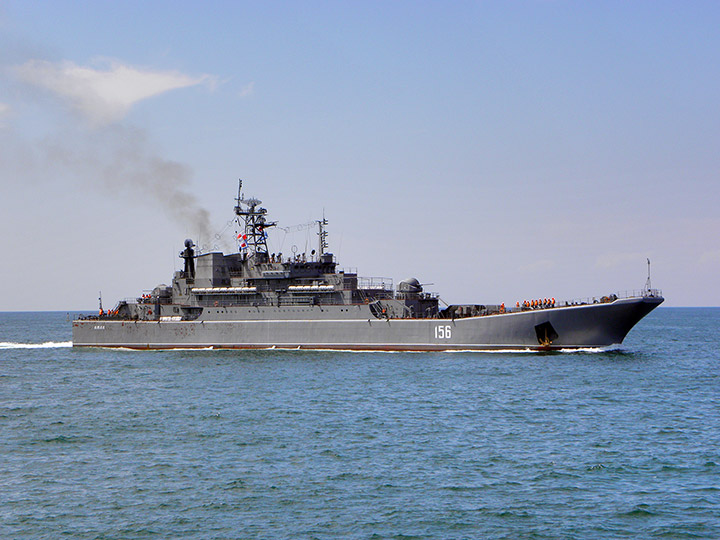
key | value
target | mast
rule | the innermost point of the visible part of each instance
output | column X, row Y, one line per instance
column 253, row 239
column 322, row 234
column 648, row 286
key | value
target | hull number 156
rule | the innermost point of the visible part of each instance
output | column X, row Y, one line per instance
column 443, row 332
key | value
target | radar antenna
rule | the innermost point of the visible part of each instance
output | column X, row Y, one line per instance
column 253, row 239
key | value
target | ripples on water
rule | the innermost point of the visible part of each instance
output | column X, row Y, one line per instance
column 296, row 444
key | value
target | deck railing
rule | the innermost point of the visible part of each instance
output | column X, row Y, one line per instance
column 635, row 293
column 375, row 283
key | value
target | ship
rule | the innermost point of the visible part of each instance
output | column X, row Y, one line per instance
column 254, row 299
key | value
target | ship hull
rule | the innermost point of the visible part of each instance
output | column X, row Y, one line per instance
column 583, row 326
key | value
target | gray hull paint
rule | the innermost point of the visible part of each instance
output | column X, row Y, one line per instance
column 354, row 328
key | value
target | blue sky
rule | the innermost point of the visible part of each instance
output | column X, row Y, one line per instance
column 498, row 150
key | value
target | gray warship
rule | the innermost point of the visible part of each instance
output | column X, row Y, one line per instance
column 253, row 299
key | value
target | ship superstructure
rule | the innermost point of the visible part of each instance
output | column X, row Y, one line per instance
column 256, row 299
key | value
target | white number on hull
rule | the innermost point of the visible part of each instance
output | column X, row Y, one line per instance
column 443, row 332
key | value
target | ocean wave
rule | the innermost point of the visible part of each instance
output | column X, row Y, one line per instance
column 593, row 350
column 45, row 345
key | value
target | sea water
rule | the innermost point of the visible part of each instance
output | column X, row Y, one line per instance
column 621, row 443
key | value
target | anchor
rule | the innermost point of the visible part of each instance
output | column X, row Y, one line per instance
column 545, row 333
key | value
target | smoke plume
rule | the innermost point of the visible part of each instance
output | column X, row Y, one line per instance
column 88, row 141
column 120, row 161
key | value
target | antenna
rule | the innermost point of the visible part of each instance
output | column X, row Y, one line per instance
column 648, row 286
column 322, row 233
column 251, row 216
